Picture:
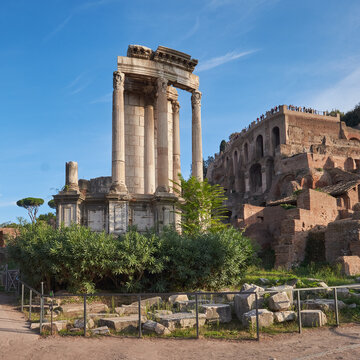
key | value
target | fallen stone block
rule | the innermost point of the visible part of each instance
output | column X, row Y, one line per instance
column 153, row 326
column 322, row 304
column 279, row 302
column 246, row 302
column 352, row 306
column 288, row 289
column 121, row 323
column 130, row 309
column 283, row 316
column 175, row 298
column 180, row 320
column 188, row 305
column 102, row 330
column 78, row 309
column 157, row 300
column 97, row 316
column 162, row 312
column 266, row 318
column 79, row 323
column 217, row 312
column 313, row 318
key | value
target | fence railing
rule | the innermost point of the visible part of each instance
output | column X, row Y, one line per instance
column 197, row 295
column 8, row 278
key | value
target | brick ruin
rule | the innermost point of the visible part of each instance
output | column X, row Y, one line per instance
column 145, row 147
column 293, row 173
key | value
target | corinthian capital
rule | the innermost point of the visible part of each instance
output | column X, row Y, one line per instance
column 196, row 98
column 162, row 85
column 175, row 106
column 118, row 80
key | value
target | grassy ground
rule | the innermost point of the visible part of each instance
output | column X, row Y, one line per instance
column 330, row 275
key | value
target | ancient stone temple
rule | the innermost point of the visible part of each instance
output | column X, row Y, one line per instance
column 291, row 176
column 145, row 146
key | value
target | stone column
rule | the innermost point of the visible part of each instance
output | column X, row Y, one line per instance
column 71, row 179
column 197, row 157
column 176, row 143
column 162, row 136
column 263, row 179
column 149, row 151
column 118, row 135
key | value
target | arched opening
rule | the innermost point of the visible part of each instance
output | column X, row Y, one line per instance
column 269, row 173
column 349, row 164
column 259, row 147
column 255, row 178
column 246, row 152
column 275, row 138
column 354, row 139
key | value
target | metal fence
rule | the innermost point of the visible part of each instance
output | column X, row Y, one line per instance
column 8, row 278
column 197, row 295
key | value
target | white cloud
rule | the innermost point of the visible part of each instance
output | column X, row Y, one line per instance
column 220, row 60
column 76, row 10
column 102, row 99
column 7, row 203
column 343, row 95
column 193, row 30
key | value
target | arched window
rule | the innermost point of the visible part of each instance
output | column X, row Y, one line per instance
column 275, row 135
column 259, row 146
column 255, row 178
column 246, row 152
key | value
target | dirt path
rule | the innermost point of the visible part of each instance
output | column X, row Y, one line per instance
column 17, row 342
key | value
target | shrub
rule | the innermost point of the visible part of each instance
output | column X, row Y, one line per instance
column 79, row 260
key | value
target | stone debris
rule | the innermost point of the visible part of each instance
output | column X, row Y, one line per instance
column 121, row 323
column 102, row 330
column 174, row 298
column 130, row 309
column 266, row 318
column 322, row 304
column 282, row 316
column 246, row 302
column 313, row 318
column 279, row 302
column 189, row 305
column 162, row 312
column 288, row 289
column 79, row 323
column 352, row 306
column 217, row 312
column 264, row 281
column 153, row 326
column 180, row 320
column 97, row 316
column 76, row 330
column 78, row 309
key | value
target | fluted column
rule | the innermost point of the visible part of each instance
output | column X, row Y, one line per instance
column 162, row 136
column 118, row 134
column 197, row 158
column 176, row 143
column 149, row 151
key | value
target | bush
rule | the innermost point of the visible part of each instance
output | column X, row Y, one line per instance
column 79, row 260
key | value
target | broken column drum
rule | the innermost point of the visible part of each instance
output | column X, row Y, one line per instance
column 145, row 146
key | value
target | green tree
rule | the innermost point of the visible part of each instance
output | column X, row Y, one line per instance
column 31, row 205
column 206, row 164
column 352, row 118
column 222, row 145
column 201, row 206
column 51, row 204
column 49, row 218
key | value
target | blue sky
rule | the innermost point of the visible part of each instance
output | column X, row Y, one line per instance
column 57, row 59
